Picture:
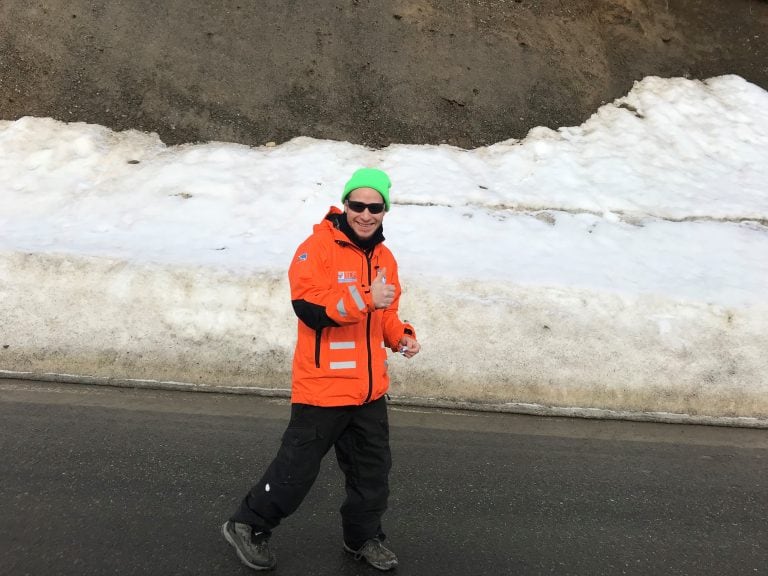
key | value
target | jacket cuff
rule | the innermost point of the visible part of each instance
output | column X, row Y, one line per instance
column 368, row 300
column 409, row 330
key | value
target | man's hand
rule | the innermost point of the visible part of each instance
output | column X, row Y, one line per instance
column 409, row 347
column 382, row 294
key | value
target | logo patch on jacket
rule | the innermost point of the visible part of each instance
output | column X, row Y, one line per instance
column 346, row 277
column 302, row 257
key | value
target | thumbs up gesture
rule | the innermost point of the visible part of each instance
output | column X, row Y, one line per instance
column 382, row 293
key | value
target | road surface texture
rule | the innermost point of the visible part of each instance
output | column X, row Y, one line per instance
column 98, row 480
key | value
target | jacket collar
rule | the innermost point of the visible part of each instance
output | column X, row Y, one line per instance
column 343, row 232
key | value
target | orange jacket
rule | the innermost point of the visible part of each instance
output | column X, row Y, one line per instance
column 341, row 357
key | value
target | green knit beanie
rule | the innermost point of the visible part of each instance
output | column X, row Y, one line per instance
column 369, row 178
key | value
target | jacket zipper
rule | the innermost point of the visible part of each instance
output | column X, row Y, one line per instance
column 368, row 338
column 318, row 336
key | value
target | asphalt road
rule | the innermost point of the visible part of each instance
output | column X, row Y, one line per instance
column 98, row 480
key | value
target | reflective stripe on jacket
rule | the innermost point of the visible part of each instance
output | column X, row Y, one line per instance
column 340, row 356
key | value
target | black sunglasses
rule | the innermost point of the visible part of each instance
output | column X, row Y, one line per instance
column 375, row 208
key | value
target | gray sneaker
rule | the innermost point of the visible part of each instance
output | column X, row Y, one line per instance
column 252, row 549
column 375, row 553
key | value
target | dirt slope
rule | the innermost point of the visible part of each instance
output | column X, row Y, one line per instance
column 416, row 71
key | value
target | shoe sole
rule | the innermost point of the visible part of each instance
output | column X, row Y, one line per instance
column 383, row 568
column 243, row 559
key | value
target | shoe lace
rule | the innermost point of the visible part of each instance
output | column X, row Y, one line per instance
column 259, row 539
column 373, row 545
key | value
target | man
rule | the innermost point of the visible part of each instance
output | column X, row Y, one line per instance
column 345, row 292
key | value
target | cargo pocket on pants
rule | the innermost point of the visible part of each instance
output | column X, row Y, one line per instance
column 302, row 454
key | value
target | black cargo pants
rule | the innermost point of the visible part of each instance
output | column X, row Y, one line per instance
column 360, row 435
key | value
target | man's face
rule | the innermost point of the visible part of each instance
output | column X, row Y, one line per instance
column 364, row 223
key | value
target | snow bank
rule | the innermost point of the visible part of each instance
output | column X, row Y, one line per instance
column 486, row 344
column 618, row 267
